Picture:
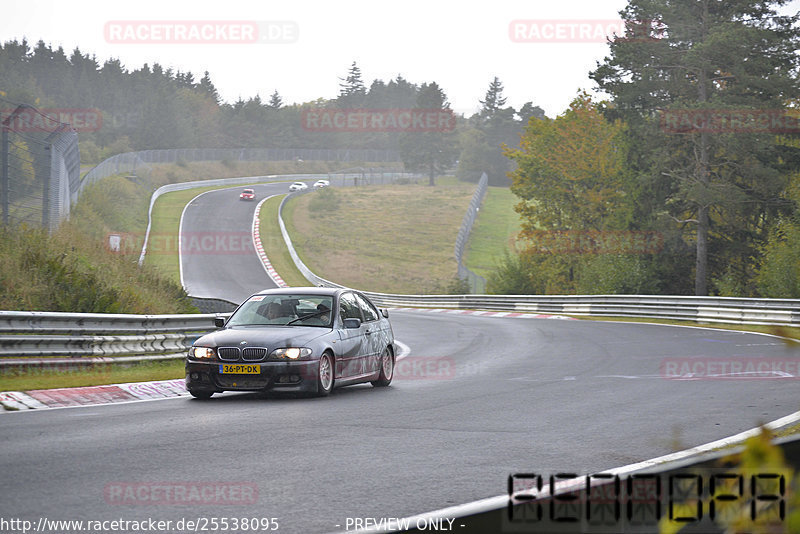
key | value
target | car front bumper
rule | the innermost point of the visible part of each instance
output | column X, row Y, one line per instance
column 290, row 376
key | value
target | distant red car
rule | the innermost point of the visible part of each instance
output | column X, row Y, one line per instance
column 247, row 194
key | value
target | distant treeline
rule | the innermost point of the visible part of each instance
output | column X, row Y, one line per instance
column 152, row 107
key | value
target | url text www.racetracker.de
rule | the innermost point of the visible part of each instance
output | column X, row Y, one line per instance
column 198, row 524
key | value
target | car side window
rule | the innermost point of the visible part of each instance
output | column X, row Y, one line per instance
column 369, row 311
column 349, row 307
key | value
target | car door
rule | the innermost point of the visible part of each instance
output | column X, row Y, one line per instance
column 350, row 362
column 373, row 336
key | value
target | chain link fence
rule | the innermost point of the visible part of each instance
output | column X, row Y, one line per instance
column 477, row 283
column 359, row 176
column 39, row 167
column 139, row 163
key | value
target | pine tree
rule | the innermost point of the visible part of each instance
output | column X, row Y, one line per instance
column 275, row 101
column 207, row 87
column 697, row 57
column 352, row 90
column 494, row 99
column 430, row 151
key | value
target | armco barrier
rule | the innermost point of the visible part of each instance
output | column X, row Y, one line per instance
column 730, row 310
column 40, row 334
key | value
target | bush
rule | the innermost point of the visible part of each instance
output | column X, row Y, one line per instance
column 779, row 274
column 515, row 275
column 324, row 201
column 72, row 273
column 617, row 274
column 90, row 152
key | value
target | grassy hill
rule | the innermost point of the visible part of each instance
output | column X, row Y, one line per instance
column 391, row 239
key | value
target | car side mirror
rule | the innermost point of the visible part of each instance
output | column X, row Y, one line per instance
column 352, row 323
column 219, row 322
column 385, row 312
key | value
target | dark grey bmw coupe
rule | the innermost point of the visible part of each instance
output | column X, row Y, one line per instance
column 300, row 339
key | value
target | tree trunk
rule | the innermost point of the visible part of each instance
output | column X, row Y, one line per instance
column 701, row 263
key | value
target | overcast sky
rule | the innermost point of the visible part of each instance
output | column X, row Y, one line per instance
column 311, row 43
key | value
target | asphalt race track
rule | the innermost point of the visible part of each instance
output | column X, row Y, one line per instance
column 477, row 399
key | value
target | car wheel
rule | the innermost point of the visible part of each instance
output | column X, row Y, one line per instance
column 200, row 394
column 387, row 369
column 325, row 375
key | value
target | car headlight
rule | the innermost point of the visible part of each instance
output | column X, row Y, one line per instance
column 201, row 353
column 291, row 353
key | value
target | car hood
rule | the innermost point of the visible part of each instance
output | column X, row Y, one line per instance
column 263, row 336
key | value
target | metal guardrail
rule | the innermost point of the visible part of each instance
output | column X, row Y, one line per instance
column 50, row 334
column 46, row 334
column 731, row 310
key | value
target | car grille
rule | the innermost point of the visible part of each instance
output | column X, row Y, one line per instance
column 248, row 354
column 253, row 354
column 228, row 354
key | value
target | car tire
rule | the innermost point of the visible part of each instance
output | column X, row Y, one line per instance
column 387, row 369
column 325, row 375
column 200, row 394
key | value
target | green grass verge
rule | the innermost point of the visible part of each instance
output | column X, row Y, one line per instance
column 275, row 246
column 162, row 249
column 494, row 231
column 95, row 375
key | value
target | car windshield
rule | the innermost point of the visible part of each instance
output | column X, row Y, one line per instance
column 282, row 310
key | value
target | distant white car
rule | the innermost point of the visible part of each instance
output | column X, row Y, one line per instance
column 298, row 186
column 319, row 184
